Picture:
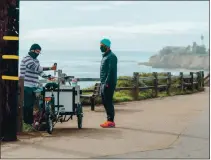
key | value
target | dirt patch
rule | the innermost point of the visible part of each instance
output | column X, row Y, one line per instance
column 25, row 135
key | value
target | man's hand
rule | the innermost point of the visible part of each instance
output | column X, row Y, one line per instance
column 54, row 67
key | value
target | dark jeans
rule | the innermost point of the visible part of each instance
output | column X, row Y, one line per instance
column 107, row 100
column 29, row 101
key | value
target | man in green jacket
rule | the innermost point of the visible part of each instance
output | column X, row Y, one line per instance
column 108, row 78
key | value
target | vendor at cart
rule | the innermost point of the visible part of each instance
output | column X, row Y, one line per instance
column 30, row 70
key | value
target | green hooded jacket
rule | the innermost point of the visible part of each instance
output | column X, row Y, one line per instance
column 108, row 69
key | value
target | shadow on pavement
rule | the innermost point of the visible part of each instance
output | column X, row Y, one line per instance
column 120, row 110
column 93, row 133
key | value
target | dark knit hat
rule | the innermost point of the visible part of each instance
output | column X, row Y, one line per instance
column 35, row 46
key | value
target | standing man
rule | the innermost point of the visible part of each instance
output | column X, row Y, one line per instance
column 108, row 78
column 30, row 70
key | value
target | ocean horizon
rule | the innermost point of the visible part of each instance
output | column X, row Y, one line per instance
column 86, row 64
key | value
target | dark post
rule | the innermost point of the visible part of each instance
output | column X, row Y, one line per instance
column 202, row 74
column 191, row 80
column 168, row 83
column 20, row 106
column 200, row 84
column 136, row 85
column 155, row 74
column 9, row 69
column 92, row 99
column 198, row 80
column 181, row 82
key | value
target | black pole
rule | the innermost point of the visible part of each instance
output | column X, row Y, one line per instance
column 9, row 69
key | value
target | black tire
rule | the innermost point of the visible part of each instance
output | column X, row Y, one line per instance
column 49, row 125
column 49, row 119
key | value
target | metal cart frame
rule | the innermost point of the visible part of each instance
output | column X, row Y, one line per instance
column 53, row 110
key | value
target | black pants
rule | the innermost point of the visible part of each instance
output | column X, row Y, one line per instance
column 29, row 100
column 107, row 100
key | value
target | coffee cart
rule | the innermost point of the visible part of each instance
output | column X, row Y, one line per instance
column 59, row 101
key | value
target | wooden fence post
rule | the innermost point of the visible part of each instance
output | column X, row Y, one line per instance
column 155, row 74
column 202, row 76
column 92, row 100
column 181, row 82
column 198, row 80
column 136, row 85
column 191, row 80
column 168, row 83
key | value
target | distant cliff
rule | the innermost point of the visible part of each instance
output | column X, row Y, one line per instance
column 195, row 57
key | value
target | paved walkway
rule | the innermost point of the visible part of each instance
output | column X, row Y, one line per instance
column 172, row 127
column 192, row 143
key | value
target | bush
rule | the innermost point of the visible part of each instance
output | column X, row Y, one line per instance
column 122, row 96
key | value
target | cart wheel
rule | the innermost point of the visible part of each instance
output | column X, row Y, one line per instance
column 49, row 125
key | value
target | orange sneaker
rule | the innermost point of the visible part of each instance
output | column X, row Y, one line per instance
column 108, row 124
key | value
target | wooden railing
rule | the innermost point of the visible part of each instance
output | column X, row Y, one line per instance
column 192, row 81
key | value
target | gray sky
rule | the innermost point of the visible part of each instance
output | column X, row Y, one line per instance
column 132, row 25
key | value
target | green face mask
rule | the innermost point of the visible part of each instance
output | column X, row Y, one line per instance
column 103, row 49
column 33, row 55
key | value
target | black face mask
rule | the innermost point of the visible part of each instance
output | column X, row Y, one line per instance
column 33, row 55
column 103, row 49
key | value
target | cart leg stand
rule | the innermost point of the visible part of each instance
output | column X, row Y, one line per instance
column 79, row 115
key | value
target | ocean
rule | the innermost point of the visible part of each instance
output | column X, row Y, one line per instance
column 86, row 64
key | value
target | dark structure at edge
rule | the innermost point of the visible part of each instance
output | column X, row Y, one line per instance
column 9, row 27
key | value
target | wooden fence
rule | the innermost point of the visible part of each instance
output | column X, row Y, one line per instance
column 192, row 81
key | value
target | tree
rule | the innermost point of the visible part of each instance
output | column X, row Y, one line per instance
column 9, row 68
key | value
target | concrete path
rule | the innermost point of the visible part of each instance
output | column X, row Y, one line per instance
column 172, row 127
column 192, row 143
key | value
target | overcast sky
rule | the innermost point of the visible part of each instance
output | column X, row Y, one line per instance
column 132, row 25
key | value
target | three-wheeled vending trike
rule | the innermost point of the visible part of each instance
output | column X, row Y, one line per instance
column 58, row 102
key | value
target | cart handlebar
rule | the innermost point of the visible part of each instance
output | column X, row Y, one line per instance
column 66, row 78
column 61, row 78
column 69, row 77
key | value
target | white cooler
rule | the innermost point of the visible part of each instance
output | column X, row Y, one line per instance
column 67, row 97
